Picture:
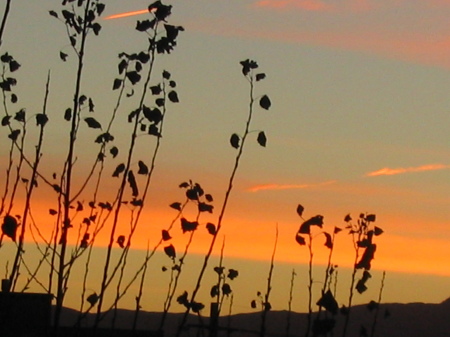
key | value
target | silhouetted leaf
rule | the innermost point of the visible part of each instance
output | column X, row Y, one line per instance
column 234, row 140
column 188, row 226
column 119, row 169
column 337, row 230
column 5, row 120
column 53, row 13
column 260, row 76
column 160, row 102
column 262, row 140
column 63, row 56
column 300, row 210
column 121, row 241
column 176, row 205
column 57, row 188
column 203, row 207
column 170, row 251
column 96, row 27
column 133, row 77
column 14, row 98
column 92, row 299
column 79, row 206
column 14, row 135
column 100, row 8
column 264, row 102
column 153, row 130
column 165, row 235
column 52, row 211
column 20, row 116
column 328, row 240
column 377, row 231
column 172, row 84
column 13, row 66
column 219, row 270
column 152, row 115
column 143, row 57
column 156, row 89
column 214, row 291
column 314, row 221
column 9, row 227
column 183, row 299
column 300, row 240
column 371, row 217
column 173, row 96
column 91, row 105
column 211, row 228
column 247, row 65
column 132, row 181
column 367, row 257
column 92, row 123
column 253, row 304
column 122, row 66
column 41, row 119
column 197, row 307
column 328, row 302
column 361, row 284
column 184, row 184
column 143, row 169
column 348, row 218
column 226, row 289
column 68, row 114
column 145, row 25
column 114, row 151
column 232, row 274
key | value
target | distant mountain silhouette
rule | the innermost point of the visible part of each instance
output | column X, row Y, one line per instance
column 394, row 320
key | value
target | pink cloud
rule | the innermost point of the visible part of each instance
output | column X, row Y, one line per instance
column 272, row 187
column 307, row 5
column 394, row 171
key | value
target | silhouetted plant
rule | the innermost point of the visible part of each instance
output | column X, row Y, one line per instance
column 305, row 230
column 363, row 232
column 291, row 297
column 264, row 300
column 238, row 142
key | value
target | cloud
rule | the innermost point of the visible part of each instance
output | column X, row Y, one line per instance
column 318, row 5
column 126, row 14
column 394, row 171
column 307, row 5
column 272, row 187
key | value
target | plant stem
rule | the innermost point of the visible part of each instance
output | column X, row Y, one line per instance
column 5, row 17
column 377, row 309
column 266, row 304
column 224, row 207
column 68, row 174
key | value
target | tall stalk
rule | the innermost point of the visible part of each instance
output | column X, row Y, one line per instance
column 266, row 304
column 5, row 17
column 42, row 120
column 65, row 190
column 248, row 67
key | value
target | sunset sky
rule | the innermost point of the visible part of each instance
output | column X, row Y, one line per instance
column 359, row 123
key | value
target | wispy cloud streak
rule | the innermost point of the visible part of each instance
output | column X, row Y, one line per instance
column 394, row 171
column 126, row 14
column 272, row 187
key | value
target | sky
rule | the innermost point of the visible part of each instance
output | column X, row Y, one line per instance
column 358, row 124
